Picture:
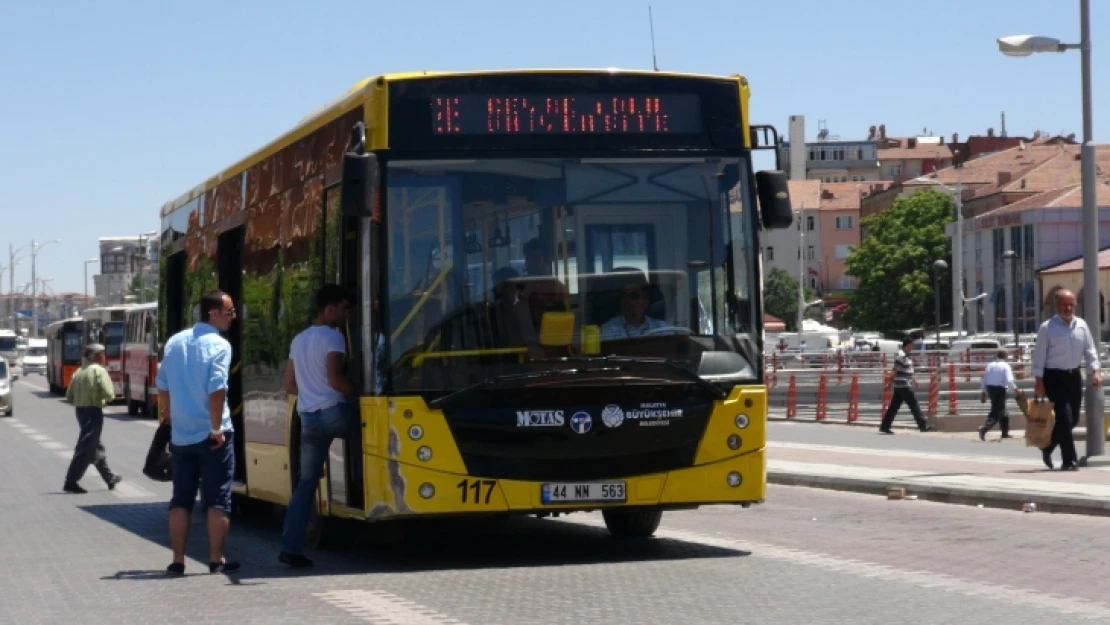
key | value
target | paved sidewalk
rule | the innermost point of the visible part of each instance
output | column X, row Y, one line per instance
column 1000, row 481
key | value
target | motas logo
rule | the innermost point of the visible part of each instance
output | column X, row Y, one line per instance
column 612, row 416
column 581, row 422
column 539, row 418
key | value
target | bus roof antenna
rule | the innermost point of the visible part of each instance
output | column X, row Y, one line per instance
column 651, row 26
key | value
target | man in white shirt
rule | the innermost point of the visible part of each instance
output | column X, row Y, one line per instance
column 1064, row 344
column 633, row 321
column 315, row 375
column 997, row 379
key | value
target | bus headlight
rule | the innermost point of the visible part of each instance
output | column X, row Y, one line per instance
column 734, row 479
column 742, row 421
column 734, row 442
column 416, row 432
column 427, row 491
column 424, row 453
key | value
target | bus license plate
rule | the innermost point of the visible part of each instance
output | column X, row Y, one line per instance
column 588, row 492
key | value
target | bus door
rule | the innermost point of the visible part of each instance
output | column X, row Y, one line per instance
column 623, row 239
column 229, row 259
column 350, row 247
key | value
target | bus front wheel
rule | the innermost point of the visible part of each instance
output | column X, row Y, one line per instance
column 632, row 522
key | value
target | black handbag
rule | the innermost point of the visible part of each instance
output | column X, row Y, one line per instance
column 157, row 466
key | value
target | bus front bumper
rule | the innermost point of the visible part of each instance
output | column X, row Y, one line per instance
column 406, row 490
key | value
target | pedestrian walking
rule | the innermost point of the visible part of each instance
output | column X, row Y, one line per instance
column 325, row 404
column 89, row 390
column 903, row 387
column 998, row 378
column 192, row 391
column 1064, row 344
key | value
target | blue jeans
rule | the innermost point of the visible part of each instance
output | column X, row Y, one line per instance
column 318, row 430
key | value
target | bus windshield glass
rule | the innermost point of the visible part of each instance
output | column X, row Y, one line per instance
column 72, row 345
column 499, row 267
column 8, row 343
column 113, row 338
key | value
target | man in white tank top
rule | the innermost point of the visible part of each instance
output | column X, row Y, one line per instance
column 325, row 403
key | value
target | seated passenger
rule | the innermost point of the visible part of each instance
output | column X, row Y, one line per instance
column 632, row 322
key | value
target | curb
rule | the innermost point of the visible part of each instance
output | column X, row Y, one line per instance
column 1005, row 499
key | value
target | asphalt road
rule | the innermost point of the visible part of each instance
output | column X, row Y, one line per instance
column 805, row 556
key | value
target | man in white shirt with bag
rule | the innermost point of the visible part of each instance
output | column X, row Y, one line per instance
column 998, row 378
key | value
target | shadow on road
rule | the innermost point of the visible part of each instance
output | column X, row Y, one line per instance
column 424, row 545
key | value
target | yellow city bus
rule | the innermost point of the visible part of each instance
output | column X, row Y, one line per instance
column 556, row 283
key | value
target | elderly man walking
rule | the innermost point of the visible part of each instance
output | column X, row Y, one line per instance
column 1064, row 344
column 90, row 388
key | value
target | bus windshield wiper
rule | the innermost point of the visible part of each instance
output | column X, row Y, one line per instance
column 673, row 366
column 511, row 377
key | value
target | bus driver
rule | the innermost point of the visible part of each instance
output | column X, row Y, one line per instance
column 633, row 321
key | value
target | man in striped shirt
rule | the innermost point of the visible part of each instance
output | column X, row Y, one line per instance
column 903, row 390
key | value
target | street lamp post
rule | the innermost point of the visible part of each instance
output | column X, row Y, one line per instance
column 87, row 263
column 959, row 301
column 1012, row 256
column 35, row 249
column 938, row 266
column 1025, row 45
column 12, row 262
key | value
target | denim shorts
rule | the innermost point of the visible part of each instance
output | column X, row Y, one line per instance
column 199, row 466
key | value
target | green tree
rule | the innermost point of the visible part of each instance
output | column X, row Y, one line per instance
column 136, row 290
column 780, row 297
column 894, row 264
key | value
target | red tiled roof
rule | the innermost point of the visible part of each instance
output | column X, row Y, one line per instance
column 1068, row 197
column 1075, row 265
column 818, row 195
column 805, row 194
column 933, row 151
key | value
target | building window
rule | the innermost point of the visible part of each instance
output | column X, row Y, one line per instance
column 844, row 222
column 842, row 251
column 811, row 253
column 811, row 223
column 813, row 282
column 845, row 282
column 770, row 252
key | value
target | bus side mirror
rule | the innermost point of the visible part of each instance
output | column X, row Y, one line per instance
column 359, row 187
column 774, row 199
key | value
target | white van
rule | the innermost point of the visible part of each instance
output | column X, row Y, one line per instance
column 979, row 345
column 34, row 359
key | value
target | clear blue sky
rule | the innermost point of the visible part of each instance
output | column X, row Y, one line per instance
column 108, row 109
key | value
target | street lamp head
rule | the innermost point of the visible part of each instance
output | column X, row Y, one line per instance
column 940, row 265
column 1025, row 45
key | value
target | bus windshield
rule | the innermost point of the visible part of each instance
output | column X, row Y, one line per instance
column 651, row 258
column 8, row 343
column 72, row 346
column 113, row 338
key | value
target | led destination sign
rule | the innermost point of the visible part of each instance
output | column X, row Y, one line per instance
column 554, row 114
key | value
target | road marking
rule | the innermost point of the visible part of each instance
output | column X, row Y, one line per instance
column 1073, row 606
column 127, row 490
column 34, row 386
column 13, row 421
column 378, row 606
column 52, row 445
column 64, row 455
column 29, row 431
column 38, row 438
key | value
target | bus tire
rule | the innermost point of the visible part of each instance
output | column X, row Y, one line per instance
column 132, row 405
column 632, row 522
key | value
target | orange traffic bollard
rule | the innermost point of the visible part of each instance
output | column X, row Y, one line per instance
column 934, row 392
column 951, row 388
column 853, row 399
column 792, row 399
column 888, row 389
column 822, row 397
